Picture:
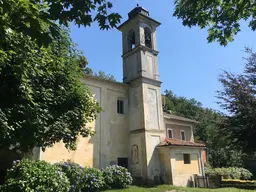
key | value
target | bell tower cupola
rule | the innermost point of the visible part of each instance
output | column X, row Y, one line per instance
column 139, row 46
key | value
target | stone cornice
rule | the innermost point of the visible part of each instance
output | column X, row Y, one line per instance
column 146, row 80
column 142, row 130
column 140, row 48
column 139, row 16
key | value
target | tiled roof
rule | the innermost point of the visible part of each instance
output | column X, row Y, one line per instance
column 177, row 142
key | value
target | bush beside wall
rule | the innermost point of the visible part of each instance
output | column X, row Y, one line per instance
column 40, row 176
column 116, row 177
column 230, row 172
column 243, row 184
column 75, row 174
column 94, row 180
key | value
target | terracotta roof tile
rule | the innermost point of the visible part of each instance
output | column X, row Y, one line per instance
column 177, row 142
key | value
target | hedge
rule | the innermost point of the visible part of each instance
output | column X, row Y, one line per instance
column 230, row 172
column 242, row 184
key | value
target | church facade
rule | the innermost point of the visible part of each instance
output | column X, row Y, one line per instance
column 132, row 130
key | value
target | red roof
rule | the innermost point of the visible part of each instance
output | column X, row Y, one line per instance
column 177, row 142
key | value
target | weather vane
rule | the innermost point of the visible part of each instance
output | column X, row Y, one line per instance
column 138, row 3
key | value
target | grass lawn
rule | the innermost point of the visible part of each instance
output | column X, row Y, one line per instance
column 169, row 188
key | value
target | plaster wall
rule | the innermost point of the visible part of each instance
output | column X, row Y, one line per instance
column 110, row 140
column 153, row 107
column 149, row 65
column 137, row 166
column 182, row 174
column 176, row 131
column 166, row 169
column 131, row 66
column 154, row 128
column 192, row 168
column 136, row 117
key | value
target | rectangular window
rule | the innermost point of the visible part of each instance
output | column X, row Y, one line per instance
column 186, row 158
column 182, row 135
column 120, row 106
column 169, row 131
column 122, row 162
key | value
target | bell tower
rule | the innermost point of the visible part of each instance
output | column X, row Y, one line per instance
column 139, row 46
column 140, row 71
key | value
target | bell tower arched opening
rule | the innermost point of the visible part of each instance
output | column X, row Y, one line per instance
column 148, row 37
column 139, row 46
column 131, row 40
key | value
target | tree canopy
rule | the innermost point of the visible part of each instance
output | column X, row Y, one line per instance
column 103, row 75
column 38, row 18
column 42, row 100
column 239, row 99
column 221, row 17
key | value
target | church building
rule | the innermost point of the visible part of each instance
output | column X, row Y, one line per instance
column 132, row 130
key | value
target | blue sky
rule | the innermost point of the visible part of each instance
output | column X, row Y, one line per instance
column 188, row 65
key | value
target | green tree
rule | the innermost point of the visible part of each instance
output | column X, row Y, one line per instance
column 189, row 108
column 103, row 75
column 239, row 99
column 42, row 100
column 221, row 17
column 220, row 149
column 38, row 18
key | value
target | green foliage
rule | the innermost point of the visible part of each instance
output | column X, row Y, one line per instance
column 94, row 180
column 103, row 75
column 189, row 108
column 239, row 99
column 222, row 18
column 224, row 155
column 37, row 19
column 38, row 176
column 116, row 177
column 42, row 100
column 230, row 172
column 82, row 179
column 244, row 184
column 75, row 174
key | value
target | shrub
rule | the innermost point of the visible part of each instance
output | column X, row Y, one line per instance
column 239, row 181
column 116, row 177
column 230, row 172
column 244, row 184
column 39, row 176
column 75, row 174
column 93, row 180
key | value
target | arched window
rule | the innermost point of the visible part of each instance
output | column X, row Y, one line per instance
column 131, row 40
column 148, row 37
